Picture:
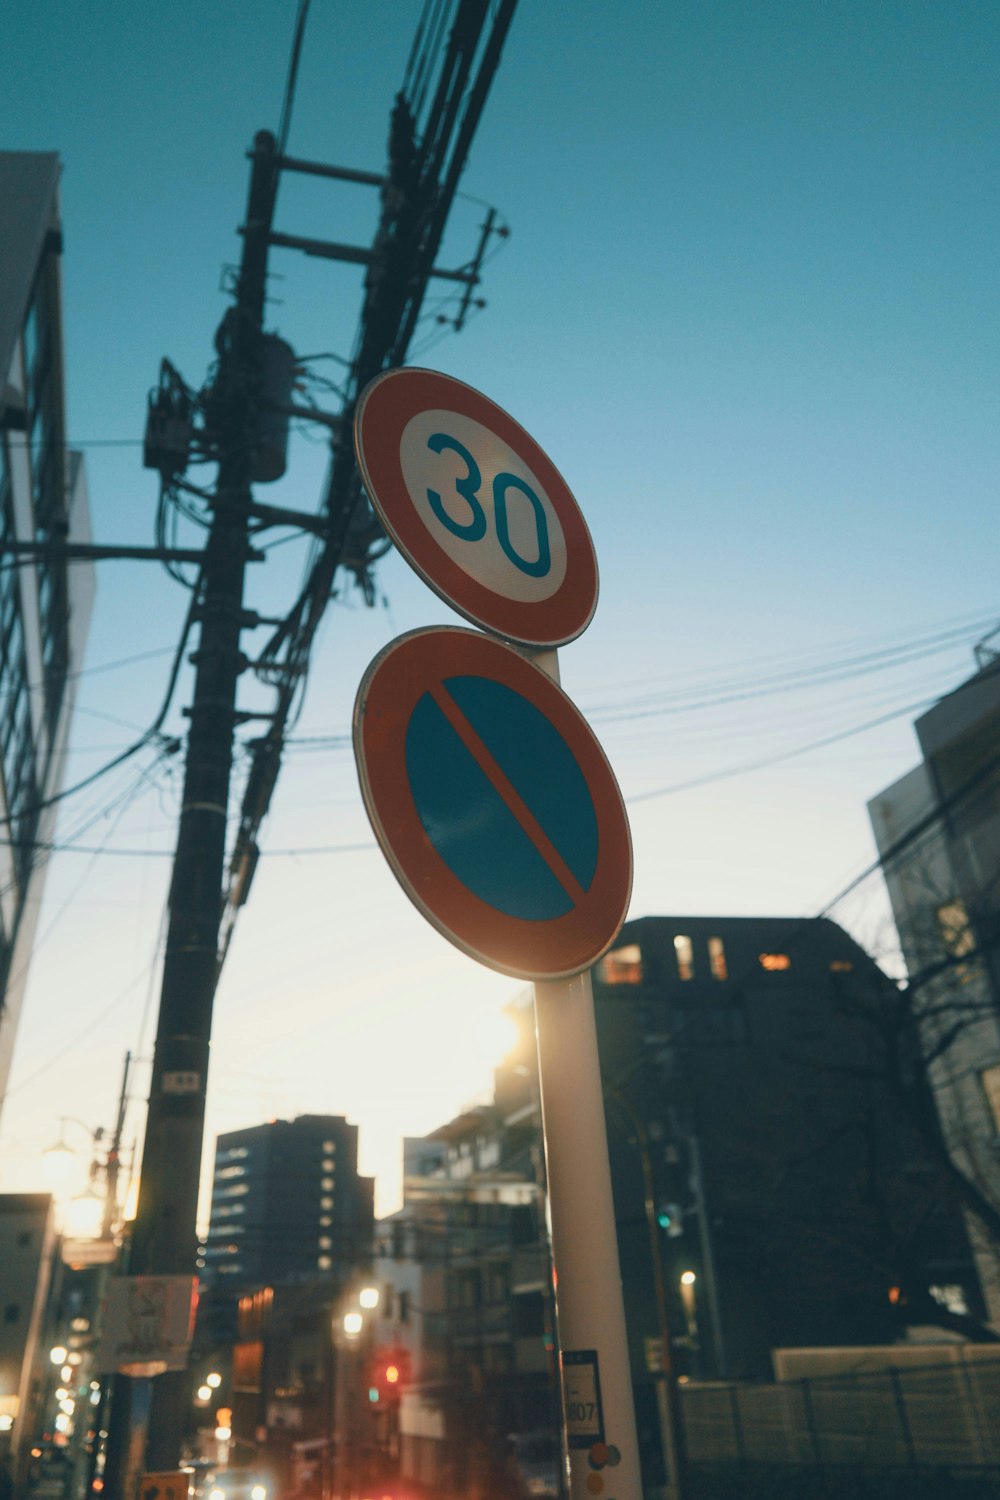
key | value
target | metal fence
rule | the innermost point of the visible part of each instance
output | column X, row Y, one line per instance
column 931, row 1416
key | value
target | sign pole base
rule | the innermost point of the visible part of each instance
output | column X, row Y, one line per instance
column 598, row 1409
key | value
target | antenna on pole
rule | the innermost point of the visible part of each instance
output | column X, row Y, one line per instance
column 293, row 74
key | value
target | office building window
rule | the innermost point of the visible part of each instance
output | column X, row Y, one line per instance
column 232, row 1190
column 952, row 1297
column 774, row 963
column 717, row 958
column 990, row 1080
column 622, row 966
column 953, row 927
column 30, row 336
column 684, row 952
column 841, row 966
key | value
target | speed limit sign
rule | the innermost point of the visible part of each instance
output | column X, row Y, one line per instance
column 476, row 507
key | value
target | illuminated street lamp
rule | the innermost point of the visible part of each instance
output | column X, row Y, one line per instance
column 85, row 1215
column 688, row 1279
column 368, row 1296
column 353, row 1324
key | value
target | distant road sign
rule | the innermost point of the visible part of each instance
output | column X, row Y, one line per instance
column 476, row 507
column 493, row 802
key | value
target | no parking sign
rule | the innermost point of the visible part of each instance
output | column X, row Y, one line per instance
column 493, row 802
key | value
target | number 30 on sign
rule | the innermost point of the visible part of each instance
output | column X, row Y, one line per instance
column 476, row 507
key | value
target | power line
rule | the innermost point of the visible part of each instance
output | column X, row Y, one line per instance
column 144, row 739
column 772, row 760
column 818, row 675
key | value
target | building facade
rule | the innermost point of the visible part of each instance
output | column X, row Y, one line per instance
column 938, row 833
column 290, row 1229
column 288, row 1205
column 27, row 1258
column 462, row 1271
column 45, row 603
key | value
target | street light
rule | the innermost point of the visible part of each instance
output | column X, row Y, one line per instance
column 687, row 1284
column 85, row 1215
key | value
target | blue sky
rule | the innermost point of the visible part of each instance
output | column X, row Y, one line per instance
column 747, row 305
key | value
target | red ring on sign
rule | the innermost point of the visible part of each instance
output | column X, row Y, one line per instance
column 390, row 690
column 383, row 411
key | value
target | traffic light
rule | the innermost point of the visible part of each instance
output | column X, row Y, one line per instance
column 670, row 1217
column 390, row 1371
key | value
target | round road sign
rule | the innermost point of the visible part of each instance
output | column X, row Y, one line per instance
column 476, row 507
column 493, row 802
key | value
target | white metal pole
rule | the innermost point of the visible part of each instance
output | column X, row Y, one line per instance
column 598, row 1409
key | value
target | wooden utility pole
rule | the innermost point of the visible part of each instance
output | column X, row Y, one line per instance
column 164, row 1239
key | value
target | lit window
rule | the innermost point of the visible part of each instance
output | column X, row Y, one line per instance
column 328, row 1164
column 684, row 950
column 953, row 925
column 841, row 966
column 326, row 1203
column 329, row 1145
column 323, row 1262
column 717, row 958
column 952, row 1297
column 327, row 1184
column 325, row 1221
column 623, row 966
column 230, row 1172
column 775, row 961
column 990, row 1080
column 325, row 1242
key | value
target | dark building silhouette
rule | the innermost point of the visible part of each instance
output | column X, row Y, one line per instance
column 291, row 1227
column 744, row 1069
column 288, row 1204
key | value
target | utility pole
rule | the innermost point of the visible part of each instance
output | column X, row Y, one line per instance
column 424, row 170
column 164, row 1239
